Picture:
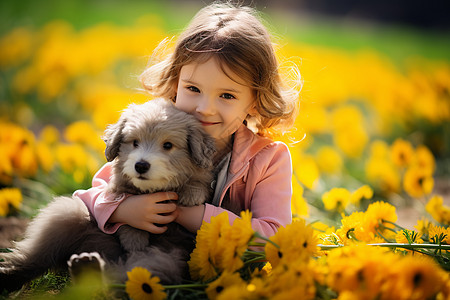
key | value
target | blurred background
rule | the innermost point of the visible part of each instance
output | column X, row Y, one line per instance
column 375, row 105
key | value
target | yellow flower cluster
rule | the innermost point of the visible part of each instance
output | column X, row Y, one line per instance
column 220, row 246
column 17, row 152
column 377, row 225
column 440, row 212
column 9, row 197
column 367, row 272
column 388, row 166
column 295, row 267
column 288, row 252
column 23, row 154
column 369, row 226
column 339, row 198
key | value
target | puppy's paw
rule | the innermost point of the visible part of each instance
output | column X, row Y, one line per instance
column 193, row 194
column 80, row 264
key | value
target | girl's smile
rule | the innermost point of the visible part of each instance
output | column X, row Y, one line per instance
column 216, row 96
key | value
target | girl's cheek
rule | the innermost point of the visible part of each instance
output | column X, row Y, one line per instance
column 184, row 103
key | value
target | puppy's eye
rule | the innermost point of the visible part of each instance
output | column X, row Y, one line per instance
column 135, row 143
column 167, row 146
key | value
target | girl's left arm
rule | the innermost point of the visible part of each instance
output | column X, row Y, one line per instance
column 268, row 191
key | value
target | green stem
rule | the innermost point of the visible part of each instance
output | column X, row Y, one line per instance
column 116, row 286
column 256, row 244
column 257, row 253
column 392, row 223
column 168, row 287
column 185, row 286
column 257, row 235
column 255, row 259
column 394, row 245
column 382, row 236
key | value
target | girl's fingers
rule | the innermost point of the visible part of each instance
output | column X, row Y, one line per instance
column 152, row 228
column 164, row 208
column 164, row 196
column 163, row 219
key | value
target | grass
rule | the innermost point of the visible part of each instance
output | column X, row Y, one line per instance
column 396, row 41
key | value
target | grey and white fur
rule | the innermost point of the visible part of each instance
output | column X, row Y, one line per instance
column 153, row 147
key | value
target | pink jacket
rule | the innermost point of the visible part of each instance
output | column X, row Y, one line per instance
column 259, row 180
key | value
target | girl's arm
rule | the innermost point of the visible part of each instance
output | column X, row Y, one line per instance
column 140, row 211
column 268, row 193
column 101, row 204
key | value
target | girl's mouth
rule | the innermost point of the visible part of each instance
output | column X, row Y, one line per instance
column 208, row 123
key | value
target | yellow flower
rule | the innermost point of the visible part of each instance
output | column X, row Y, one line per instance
column 402, row 153
column 363, row 192
column 379, row 149
column 267, row 269
column 424, row 159
column 21, row 149
column 352, row 140
column 309, row 173
column 50, row 135
column 349, row 295
column 400, row 237
column 200, row 263
column 9, row 196
column 225, row 280
column 359, row 268
column 6, row 167
column 84, row 133
column 423, row 226
column 233, row 242
column 231, row 255
column 236, row 292
column 414, row 277
column 329, row 160
column 336, row 199
column 417, row 182
column 438, row 234
column 15, row 47
column 242, row 231
column 436, row 208
column 383, row 175
column 45, row 156
column 376, row 214
column 299, row 206
column 352, row 227
column 142, row 286
column 296, row 241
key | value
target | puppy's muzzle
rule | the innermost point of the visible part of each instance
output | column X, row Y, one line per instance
column 142, row 167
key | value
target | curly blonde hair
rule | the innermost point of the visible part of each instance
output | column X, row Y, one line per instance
column 236, row 37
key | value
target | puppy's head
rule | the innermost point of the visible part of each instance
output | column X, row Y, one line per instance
column 155, row 146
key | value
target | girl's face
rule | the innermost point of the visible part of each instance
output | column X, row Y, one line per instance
column 220, row 103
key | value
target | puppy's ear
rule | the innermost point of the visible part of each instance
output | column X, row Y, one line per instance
column 201, row 147
column 113, row 138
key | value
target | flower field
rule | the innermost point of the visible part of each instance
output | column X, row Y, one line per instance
column 371, row 141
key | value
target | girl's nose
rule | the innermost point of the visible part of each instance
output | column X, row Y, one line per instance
column 206, row 106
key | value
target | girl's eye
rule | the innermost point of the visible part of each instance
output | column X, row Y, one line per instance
column 135, row 143
column 167, row 145
column 228, row 96
column 193, row 89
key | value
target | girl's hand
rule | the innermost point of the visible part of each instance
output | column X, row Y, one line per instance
column 190, row 217
column 147, row 210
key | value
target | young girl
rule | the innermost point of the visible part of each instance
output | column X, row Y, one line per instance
column 224, row 72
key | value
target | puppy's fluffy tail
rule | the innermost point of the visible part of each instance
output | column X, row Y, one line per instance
column 58, row 231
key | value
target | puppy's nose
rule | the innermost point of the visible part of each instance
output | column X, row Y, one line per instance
column 142, row 167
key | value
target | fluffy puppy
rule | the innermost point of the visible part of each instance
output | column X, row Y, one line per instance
column 153, row 147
